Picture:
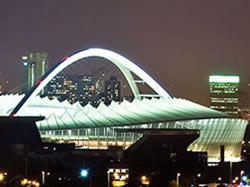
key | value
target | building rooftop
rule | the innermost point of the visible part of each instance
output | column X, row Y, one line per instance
column 224, row 79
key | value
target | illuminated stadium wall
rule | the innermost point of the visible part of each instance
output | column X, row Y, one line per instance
column 91, row 127
column 211, row 137
column 95, row 128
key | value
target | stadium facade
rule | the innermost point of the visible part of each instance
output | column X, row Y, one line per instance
column 91, row 127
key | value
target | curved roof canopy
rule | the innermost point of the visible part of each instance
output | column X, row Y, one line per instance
column 63, row 115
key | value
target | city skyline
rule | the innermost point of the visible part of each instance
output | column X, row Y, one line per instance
column 124, row 93
column 178, row 43
column 84, row 89
column 218, row 135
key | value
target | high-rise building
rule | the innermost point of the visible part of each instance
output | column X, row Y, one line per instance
column 74, row 88
column 85, row 89
column 1, row 88
column 112, row 90
column 34, row 67
column 223, row 93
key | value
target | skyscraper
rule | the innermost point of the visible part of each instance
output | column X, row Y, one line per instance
column 34, row 67
column 223, row 93
column 112, row 90
column 1, row 88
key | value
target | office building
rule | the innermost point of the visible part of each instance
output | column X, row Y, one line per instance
column 1, row 86
column 34, row 67
column 86, row 92
column 84, row 89
column 112, row 90
column 223, row 93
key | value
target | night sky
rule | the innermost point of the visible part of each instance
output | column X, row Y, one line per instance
column 179, row 43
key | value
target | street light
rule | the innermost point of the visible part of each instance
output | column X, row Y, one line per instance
column 1, row 177
column 177, row 179
column 241, row 173
column 26, row 182
column 43, row 176
column 244, row 179
column 219, row 179
column 117, row 176
column 108, row 181
column 145, row 180
column 198, row 178
column 84, row 173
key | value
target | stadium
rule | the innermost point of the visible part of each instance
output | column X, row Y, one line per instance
column 98, row 128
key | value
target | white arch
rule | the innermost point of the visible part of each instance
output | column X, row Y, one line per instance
column 126, row 66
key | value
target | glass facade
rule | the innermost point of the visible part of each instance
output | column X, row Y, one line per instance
column 223, row 93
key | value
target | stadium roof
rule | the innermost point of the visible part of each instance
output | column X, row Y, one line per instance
column 63, row 115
